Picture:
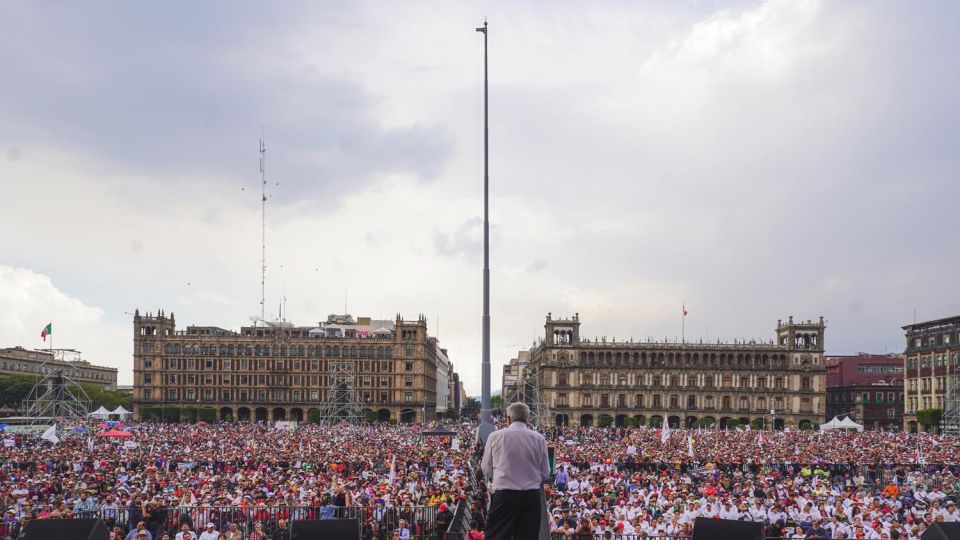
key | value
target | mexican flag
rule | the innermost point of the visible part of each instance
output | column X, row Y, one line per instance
column 47, row 330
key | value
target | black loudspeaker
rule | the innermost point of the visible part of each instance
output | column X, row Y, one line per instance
column 726, row 529
column 942, row 531
column 325, row 529
column 65, row 529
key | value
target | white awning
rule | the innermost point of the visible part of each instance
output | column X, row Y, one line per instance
column 102, row 412
column 847, row 423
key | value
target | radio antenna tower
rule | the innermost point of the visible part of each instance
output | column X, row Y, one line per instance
column 263, row 228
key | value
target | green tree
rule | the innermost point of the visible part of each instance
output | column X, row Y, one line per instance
column 757, row 423
column 14, row 389
column 109, row 399
column 929, row 418
column 207, row 414
column 496, row 403
column 313, row 416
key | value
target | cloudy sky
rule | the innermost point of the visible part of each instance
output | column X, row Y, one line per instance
column 751, row 159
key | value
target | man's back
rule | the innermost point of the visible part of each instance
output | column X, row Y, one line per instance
column 516, row 458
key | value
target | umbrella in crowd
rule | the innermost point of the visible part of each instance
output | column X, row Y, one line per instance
column 115, row 433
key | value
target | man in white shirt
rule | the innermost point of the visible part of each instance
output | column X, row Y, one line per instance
column 185, row 533
column 210, row 534
column 515, row 463
column 951, row 515
column 729, row 511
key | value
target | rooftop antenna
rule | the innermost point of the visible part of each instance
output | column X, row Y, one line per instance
column 283, row 294
column 263, row 226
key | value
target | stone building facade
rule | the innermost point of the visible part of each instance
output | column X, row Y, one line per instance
column 279, row 371
column 776, row 384
column 866, row 387
column 931, row 369
column 20, row 361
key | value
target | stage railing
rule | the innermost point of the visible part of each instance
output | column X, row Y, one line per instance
column 376, row 522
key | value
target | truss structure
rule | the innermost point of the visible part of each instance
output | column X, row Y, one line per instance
column 342, row 403
column 56, row 395
column 527, row 390
column 951, row 405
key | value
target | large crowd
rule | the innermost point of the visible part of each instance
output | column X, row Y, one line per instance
column 250, row 481
column 252, row 478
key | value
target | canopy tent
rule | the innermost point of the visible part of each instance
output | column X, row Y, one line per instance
column 847, row 423
column 833, row 424
column 115, row 434
column 102, row 413
column 836, row 423
column 121, row 412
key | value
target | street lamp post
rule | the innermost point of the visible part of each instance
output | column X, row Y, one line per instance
column 486, row 423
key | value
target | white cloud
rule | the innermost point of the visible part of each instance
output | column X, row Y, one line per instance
column 30, row 301
column 753, row 160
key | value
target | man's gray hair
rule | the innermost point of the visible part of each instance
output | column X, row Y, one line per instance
column 518, row 412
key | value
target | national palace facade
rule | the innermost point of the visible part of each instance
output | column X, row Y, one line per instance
column 583, row 382
column 278, row 371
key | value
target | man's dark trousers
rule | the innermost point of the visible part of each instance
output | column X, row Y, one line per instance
column 514, row 515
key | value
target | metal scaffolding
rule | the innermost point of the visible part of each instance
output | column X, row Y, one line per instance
column 56, row 395
column 527, row 390
column 951, row 404
column 342, row 403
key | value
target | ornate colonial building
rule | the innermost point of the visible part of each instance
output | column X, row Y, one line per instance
column 20, row 361
column 279, row 371
column 625, row 382
column 867, row 387
column 932, row 372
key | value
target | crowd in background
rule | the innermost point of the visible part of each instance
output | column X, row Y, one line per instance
column 260, row 478
column 250, row 481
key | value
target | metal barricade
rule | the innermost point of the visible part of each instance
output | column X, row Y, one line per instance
column 275, row 521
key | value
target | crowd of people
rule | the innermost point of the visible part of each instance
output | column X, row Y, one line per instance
column 250, row 481
column 640, row 483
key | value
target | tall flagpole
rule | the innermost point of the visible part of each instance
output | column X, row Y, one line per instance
column 486, row 422
column 683, row 324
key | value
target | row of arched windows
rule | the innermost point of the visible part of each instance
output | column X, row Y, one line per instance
column 190, row 349
column 657, row 359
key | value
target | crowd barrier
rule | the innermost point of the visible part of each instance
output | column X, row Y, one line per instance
column 376, row 521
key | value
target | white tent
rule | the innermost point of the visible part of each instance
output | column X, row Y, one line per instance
column 101, row 413
column 833, row 424
column 121, row 412
column 847, row 423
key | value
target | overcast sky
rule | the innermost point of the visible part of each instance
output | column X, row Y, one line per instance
column 750, row 159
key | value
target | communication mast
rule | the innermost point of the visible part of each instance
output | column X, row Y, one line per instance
column 263, row 228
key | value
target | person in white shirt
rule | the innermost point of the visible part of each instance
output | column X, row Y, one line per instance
column 951, row 515
column 729, row 511
column 210, row 533
column 758, row 512
column 515, row 463
column 185, row 533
